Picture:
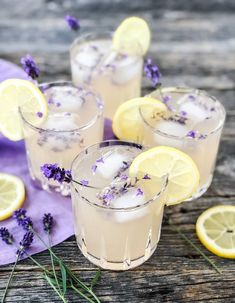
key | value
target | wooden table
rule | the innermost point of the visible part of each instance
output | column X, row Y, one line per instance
column 193, row 44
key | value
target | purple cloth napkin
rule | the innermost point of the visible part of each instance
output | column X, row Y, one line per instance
column 38, row 202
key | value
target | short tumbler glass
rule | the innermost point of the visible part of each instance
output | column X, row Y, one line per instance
column 74, row 121
column 118, row 236
column 194, row 125
column 115, row 76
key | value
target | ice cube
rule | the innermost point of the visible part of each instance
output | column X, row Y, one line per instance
column 112, row 162
column 61, row 122
column 88, row 56
column 172, row 128
column 55, row 140
column 194, row 111
column 126, row 69
column 129, row 199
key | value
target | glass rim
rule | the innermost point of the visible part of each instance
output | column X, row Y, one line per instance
column 104, row 34
column 114, row 142
column 180, row 89
column 100, row 109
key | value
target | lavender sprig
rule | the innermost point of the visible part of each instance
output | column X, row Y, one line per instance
column 25, row 244
column 6, row 236
column 47, row 223
column 152, row 72
column 72, row 22
column 30, row 66
column 53, row 171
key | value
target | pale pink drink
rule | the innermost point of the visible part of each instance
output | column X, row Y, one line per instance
column 115, row 76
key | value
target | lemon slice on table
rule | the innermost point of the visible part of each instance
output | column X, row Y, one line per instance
column 23, row 94
column 132, row 37
column 215, row 228
column 162, row 161
column 12, row 195
column 127, row 122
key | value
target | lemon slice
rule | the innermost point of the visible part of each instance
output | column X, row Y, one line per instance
column 215, row 228
column 162, row 161
column 15, row 94
column 12, row 195
column 132, row 37
column 127, row 122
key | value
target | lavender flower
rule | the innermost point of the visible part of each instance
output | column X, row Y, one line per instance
column 108, row 197
column 22, row 219
column 165, row 99
column 100, row 160
column 30, row 66
column 84, row 182
column 191, row 97
column 183, row 113
column 152, row 72
column 27, row 223
column 47, row 222
column 146, row 177
column 25, row 243
column 53, row 171
column 39, row 114
column 72, row 22
column 191, row 134
column 94, row 168
column 6, row 236
column 139, row 192
column 20, row 215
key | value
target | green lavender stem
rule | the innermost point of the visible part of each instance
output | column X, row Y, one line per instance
column 53, row 264
column 197, row 249
column 68, row 270
column 9, row 280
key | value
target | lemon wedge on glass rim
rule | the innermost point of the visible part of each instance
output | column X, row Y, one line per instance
column 215, row 228
column 132, row 37
column 181, row 173
column 23, row 95
column 127, row 122
column 12, row 195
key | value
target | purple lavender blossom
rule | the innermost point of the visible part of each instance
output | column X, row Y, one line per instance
column 191, row 134
column 20, row 215
column 30, row 66
column 183, row 113
column 124, row 177
column 84, row 182
column 152, row 72
column 25, row 244
column 192, row 97
column 39, row 114
column 6, row 236
column 53, row 171
column 139, row 192
column 94, row 168
column 22, row 219
column 58, row 104
column 27, row 224
column 108, row 197
column 50, row 101
column 100, row 160
column 165, row 99
column 146, row 177
column 72, row 22
column 47, row 221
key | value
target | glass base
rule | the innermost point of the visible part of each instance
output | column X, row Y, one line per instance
column 124, row 265
column 202, row 189
column 63, row 189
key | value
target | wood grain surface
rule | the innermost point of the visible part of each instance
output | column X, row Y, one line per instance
column 193, row 44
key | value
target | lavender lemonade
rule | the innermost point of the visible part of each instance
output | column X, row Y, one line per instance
column 192, row 123
column 117, row 219
column 116, row 76
column 74, row 121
